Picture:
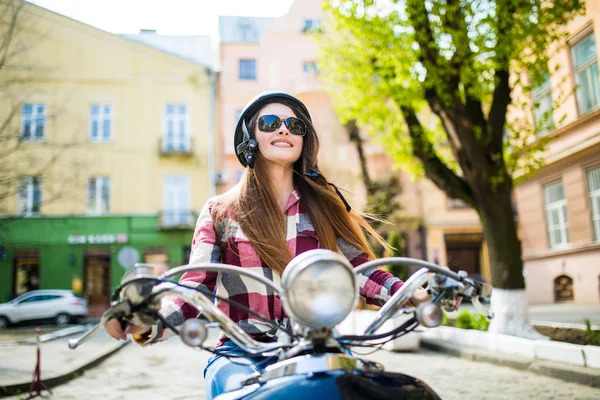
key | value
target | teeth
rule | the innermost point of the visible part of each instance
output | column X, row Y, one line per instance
column 286, row 143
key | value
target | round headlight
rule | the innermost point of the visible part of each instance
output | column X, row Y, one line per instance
column 319, row 289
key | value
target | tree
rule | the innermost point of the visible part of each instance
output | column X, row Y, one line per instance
column 434, row 79
column 26, row 162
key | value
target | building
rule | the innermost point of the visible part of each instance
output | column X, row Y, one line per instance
column 258, row 54
column 114, row 161
column 559, row 206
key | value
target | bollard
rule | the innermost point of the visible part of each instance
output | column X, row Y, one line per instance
column 36, row 387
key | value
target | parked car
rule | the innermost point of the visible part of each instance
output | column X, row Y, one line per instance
column 60, row 306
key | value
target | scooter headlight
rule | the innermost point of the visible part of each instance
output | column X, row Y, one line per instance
column 319, row 289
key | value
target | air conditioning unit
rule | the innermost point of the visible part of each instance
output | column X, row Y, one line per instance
column 221, row 177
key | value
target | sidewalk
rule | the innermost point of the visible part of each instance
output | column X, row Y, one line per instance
column 58, row 363
column 569, row 362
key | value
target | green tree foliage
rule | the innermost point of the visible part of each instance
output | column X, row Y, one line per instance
column 433, row 81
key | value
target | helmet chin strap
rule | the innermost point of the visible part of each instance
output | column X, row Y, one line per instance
column 314, row 175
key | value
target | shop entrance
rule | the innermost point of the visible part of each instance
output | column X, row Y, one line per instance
column 26, row 272
column 97, row 283
column 463, row 252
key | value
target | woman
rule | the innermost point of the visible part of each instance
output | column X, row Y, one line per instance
column 282, row 207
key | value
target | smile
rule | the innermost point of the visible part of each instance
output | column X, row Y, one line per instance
column 281, row 143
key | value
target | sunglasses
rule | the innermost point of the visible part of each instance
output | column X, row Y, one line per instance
column 270, row 123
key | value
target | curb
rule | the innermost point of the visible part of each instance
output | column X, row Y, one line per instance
column 565, row 372
column 52, row 381
column 49, row 336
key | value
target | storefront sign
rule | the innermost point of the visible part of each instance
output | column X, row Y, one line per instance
column 98, row 238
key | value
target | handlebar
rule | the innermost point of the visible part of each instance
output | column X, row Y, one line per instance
column 124, row 310
column 140, row 294
column 465, row 286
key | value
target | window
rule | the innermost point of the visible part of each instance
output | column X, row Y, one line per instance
column 30, row 196
column 33, row 122
column 311, row 25
column 177, row 130
column 100, row 123
column 556, row 215
column 542, row 107
column 32, row 299
column 586, row 74
column 99, row 195
column 248, row 69
column 176, row 201
column 310, row 67
column 593, row 177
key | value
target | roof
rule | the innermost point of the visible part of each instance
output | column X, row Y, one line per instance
column 195, row 48
column 239, row 29
column 140, row 45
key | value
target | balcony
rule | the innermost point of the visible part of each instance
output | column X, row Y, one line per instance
column 177, row 219
column 176, row 146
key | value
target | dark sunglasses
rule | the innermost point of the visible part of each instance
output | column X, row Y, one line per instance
column 270, row 123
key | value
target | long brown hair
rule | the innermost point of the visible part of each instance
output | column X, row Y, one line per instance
column 255, row 208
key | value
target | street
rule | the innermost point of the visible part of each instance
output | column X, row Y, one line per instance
column 170, row 370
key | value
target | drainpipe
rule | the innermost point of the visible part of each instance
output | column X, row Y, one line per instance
column 211, row 132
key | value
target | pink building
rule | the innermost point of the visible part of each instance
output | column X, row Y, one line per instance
column 559, row 207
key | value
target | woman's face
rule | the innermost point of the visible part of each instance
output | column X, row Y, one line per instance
column 280, row 147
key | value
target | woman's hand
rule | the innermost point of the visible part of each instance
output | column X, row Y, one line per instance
column 113, row 327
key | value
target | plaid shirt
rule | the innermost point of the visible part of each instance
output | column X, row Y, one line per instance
column 212, row 244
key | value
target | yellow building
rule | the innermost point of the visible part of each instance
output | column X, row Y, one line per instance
column 103, row 127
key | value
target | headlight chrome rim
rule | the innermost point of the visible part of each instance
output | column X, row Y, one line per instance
column 299, row 265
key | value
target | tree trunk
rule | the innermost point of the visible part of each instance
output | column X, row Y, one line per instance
column 509, row 300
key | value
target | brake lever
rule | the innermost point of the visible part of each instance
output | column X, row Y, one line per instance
column 120, row 309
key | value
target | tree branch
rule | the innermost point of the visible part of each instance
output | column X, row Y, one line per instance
column 501, row 99
column 497, row 117
column 463, row 57
column 442, row 77
column 444, row 178
column 10, row 31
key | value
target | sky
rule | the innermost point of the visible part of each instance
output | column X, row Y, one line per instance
column 168, row 17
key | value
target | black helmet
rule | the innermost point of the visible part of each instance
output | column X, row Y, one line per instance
column 245, row 145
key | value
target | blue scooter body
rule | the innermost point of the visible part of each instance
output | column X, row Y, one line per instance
column 343, row 385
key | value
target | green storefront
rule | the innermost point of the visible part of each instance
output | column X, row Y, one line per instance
column 86, row 254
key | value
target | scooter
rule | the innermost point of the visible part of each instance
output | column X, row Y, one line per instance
column 319, row 289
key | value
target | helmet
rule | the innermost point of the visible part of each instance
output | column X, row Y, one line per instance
column 245, row 145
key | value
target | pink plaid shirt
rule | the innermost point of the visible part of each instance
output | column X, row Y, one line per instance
column 212, row 244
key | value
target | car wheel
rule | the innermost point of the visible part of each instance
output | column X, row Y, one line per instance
column 3, row 322
column 62, row 319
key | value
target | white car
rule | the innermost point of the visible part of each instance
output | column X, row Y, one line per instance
column 62, row 306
